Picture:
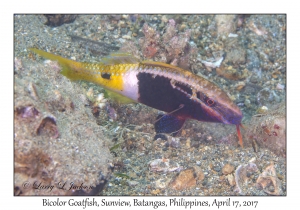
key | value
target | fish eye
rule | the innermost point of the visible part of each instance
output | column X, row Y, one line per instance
column 210, row 102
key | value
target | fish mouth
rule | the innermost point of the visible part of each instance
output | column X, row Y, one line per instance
column 232, row 116
column 233, row 119
column 226, row 116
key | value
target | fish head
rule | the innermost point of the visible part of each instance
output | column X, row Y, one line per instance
column 217, row 106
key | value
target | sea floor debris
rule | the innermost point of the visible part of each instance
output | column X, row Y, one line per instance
column 269, row 181
column 243, row 174
column 54, row 138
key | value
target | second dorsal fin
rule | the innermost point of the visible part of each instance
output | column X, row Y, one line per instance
column 119, row 58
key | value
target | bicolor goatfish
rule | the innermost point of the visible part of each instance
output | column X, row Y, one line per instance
column 178, row 92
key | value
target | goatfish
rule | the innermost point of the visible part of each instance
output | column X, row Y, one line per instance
column 178, row 92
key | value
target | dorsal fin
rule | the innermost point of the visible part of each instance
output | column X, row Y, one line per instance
column 161, row 64
column 119, row 58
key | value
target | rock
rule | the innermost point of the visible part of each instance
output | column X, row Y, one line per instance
column 48, row 127
column 231, row 73
column 155, row 192
column 187, row 178
column 279, row 86
column 269, row 130
column 18, row 65
column 240, row 85
column 262, row 110
column 269, row 181
column 266, row 96
column 132, row 183
column 242, row 174
column 226, row 24
column 231, row 179
column 50, row 135
column 58, row 20
column 174, row 142
column 161, row 183
column 227, row 169
column 163, row 165
column 259, row 30
column 236, row 55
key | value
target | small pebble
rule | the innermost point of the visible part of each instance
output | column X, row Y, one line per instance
column 126, row 37
column 132, row 183
column 262, row 110
column 230, row 179
column 187, row 179
column 232, row 35
column 279, row 86
column 227, row 169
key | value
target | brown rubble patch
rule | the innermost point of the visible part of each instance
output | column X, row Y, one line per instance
column 227, row 169
column 269, row 181
column 48, row 127
column 231, row 73
column 58, row 20
column 187, row 178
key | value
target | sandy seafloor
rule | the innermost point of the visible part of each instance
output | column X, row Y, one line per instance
column 65, row 131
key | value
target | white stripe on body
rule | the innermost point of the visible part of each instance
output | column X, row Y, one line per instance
column 130, row 85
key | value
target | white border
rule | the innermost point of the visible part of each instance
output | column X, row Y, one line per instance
column 154, row 6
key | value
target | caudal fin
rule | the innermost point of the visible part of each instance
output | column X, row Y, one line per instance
column 66, row 64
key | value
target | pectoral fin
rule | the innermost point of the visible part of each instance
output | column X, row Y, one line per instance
column 169, row 124
column 118, row 97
